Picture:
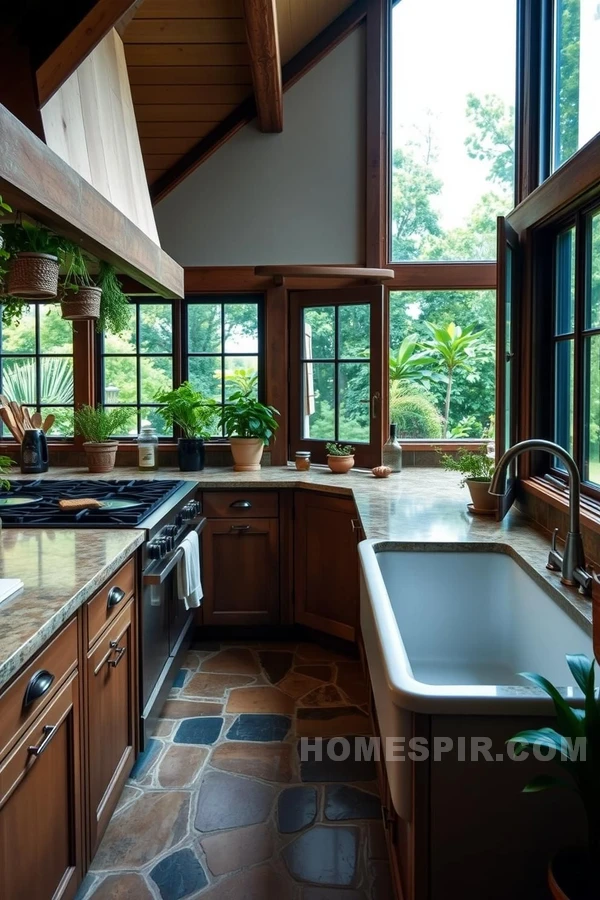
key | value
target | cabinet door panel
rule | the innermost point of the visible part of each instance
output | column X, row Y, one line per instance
column 40, row 810
column 326, row 564
column 241, row 571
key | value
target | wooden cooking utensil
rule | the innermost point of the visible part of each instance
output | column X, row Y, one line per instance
column 36, row 420
column 48, row 422
column 6, row 416
column 27, row 423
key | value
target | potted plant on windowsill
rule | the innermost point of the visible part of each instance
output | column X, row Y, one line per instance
column 34, row 253
column 477, row 469
column 249, row 425
column 573, row 874
column 195, row 414
column 81, row 297
column 340, row 457
column 98, row 427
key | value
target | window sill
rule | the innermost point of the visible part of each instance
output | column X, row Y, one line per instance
column 558, row 498
column 443, row 445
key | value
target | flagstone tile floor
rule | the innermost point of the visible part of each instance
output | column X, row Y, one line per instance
column 220, row 806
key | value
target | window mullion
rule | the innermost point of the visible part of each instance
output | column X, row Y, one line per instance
column 579, row 354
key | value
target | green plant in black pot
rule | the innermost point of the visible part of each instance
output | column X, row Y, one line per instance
column 249, row 425
column 196, row 415
column 33, row 266
column 575, row 873
column 477, row 469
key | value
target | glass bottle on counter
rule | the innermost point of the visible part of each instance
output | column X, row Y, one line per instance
column 147, row 443
column 392, row 451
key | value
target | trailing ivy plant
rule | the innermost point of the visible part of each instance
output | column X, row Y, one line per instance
column 194, row 413
column 114, row 306
column 245, row 417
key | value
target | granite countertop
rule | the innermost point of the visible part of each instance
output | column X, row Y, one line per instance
column 414, row 508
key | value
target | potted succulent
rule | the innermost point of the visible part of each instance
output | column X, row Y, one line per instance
column 98, row 427
column 477, row 469
column 249, row 425
column 340, row 457
column 81, row 297
column 195, row 414
column 573, row 874
column 34, row 261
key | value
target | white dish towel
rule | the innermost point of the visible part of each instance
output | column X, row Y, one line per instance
column 189, row 585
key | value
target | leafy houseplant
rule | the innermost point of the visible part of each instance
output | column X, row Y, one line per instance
column 477, row 469
column 81, row 298
column 573, row 874
column 249, row 425
column 34, row 253
column 340, row 457
column 6, row 464
column 97, row 427
column 114, row 305
column 195, row 414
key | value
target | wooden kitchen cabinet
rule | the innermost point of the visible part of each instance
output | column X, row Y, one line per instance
column 326, row 564
column 240, row 571
column 40, row 805
column 111, row 702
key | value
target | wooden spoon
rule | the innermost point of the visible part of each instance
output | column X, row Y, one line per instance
column 48, row 422
column 6, row 416
column 36, row 420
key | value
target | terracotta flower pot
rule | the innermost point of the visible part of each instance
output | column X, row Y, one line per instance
column 33, row 276
column 570, row 876
column 340, row 464
column 482, row 499
column 247, row 453
column 85, row 304
column 101, row 457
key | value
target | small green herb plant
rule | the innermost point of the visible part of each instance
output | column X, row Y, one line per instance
column 335, row 449
column 472, row 465
column 572, row 724
column 28, row 237
column 99, row 425
column 194, row 413
column 114, row 306
column 6, row 464
column 245, row 417
column 76, row 268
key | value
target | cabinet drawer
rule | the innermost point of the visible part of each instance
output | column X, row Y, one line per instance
column 109, row 601
column 231, row 504
column 57, row 659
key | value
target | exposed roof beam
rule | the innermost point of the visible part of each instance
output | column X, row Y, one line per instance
column 78, row 45
column 265, row 63
column 293, row 71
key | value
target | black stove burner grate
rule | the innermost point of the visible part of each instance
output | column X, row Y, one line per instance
column 142, row 498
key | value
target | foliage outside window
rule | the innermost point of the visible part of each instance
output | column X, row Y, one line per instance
column 441, row 364
column 453, row 127
column 37, row 365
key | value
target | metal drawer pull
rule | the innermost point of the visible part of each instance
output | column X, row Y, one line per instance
column 49, row 731
column 115, row 595
column 37, row 687
column 114, row 645
column 240, row 528
column 241, row 504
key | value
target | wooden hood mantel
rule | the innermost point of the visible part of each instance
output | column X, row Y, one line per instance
column 38, row 183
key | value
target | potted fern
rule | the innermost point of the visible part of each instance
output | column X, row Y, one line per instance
column 477, row 469
column 574, row 874
column 98, row 427
column 340, row 457
column 81, row 297
column 33, row 267
column 195, row 414
column 249, row 425
column 114, row 305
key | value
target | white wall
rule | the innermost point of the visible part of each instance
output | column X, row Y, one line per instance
column 295, row 197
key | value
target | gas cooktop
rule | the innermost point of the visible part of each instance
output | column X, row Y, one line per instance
column 125, row 504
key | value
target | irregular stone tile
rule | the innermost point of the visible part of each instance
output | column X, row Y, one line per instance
column 260, row 700
column 271, row 762
column 324, row 855
column 150, row 825
column 376, row 844
column 323, row 672
column 179, row 875
column 350, row 678
column 122, row 887
column 296, row 809
column 381, row 888
column 192, row 660
column 296, row 685
column 275, row 664
column 237, row 849
column 345, row 802
column 323, row 893
column 235, row 662
column 338, row 770
column 146, row 760
column 180, row 678
column 180, row 765
column 325, row 695
column 332, row 721
column 204, row 730
column 316, row 653
column 260, row 883
column 190, row 709
column 227, row 801
column 259, row 728
column 209, row 685
column 128, row 795
column 164, row 727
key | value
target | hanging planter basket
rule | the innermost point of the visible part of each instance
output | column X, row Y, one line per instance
column 85, row 304
column 33, row 276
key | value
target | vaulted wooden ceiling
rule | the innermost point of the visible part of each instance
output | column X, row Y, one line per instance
column 189, row 65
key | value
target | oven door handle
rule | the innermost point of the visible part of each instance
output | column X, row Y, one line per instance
column 157, row 574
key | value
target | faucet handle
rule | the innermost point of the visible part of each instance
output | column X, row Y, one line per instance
column 555, row 558
column 554, row 537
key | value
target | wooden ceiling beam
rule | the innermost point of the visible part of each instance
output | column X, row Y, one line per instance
column 77, row 46
column 265, row 63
